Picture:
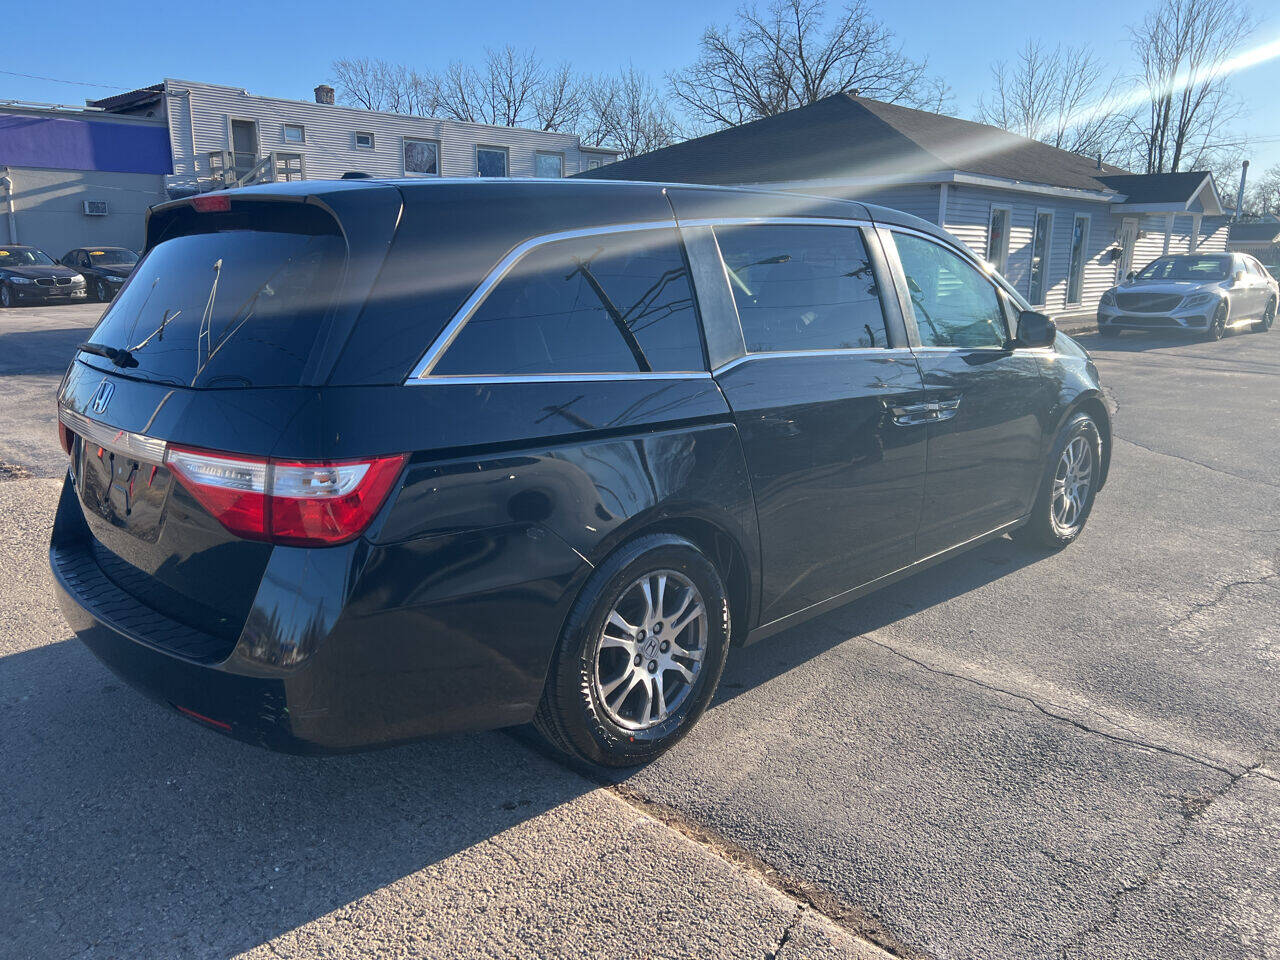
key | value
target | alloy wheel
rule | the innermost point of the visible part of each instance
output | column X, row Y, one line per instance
column 1218, row 325
column 6, row 298
column 1071, row 482
column 650, row 651
column 1269, row 316
column 101, row 291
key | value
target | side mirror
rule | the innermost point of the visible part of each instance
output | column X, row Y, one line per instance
column 1035, row 329
column 1131, row 276
column 1238, row 276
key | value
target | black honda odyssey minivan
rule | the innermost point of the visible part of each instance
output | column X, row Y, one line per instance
column 353, row 463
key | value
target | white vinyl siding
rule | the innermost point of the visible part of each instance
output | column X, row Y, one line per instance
column 198, row 125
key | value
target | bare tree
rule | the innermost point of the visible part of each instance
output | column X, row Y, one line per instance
column 1263, row 195
column 790, row 55
column 501, row 92
column 379, row 85
column 1183, row 47
column 1060, row 96
column 560, row 102
column 627, row 111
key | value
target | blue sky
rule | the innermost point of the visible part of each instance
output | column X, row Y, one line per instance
column 284, row 50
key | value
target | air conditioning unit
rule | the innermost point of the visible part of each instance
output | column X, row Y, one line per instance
column 95, row 208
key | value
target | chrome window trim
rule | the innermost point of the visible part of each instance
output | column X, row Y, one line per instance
column 564, row 377
column 899, row 352
column 421, row 372
column 136, row 445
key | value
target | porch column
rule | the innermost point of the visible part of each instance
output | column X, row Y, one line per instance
column 1168, row 231
column 1195, row 232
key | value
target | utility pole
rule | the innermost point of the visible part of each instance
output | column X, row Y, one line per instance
column 1244, row 173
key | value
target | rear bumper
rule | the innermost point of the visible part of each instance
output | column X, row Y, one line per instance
column 382, row 671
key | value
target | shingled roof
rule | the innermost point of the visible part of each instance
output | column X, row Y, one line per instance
column 846, row 136
column 1254, row 232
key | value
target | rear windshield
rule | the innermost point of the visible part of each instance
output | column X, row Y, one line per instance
column 1187, row 268
column 234, row 308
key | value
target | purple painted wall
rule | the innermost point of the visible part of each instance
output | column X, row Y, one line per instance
column 67, row 143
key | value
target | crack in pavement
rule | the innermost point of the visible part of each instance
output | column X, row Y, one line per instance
column 1197, row 463
column 1062, row 718
column 1223, row 592
column 786, row 933
column 1193, row 810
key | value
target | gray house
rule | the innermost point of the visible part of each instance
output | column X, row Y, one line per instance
column 224, row 136
column 1061, row 227
column 1258, row 238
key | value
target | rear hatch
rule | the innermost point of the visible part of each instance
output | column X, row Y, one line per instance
column 182, row 394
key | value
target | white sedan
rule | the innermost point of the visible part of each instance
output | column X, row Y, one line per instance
column 1209, row 293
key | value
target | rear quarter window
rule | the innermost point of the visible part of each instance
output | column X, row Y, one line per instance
column 607, row 303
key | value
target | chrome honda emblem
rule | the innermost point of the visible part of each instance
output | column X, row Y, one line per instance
column 102, row 396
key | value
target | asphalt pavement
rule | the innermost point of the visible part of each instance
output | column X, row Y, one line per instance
column 1012, row 754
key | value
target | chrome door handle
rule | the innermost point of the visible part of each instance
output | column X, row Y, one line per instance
column 931, row 411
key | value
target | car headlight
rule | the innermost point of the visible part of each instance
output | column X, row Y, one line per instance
column 22, row 280
column 77, row 279
column 1108, row 298
column 111, row 279
column 1199, row 300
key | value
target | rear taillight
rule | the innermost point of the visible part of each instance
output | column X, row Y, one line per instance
column 295, row 502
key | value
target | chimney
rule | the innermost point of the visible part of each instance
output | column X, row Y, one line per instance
column 324, row 94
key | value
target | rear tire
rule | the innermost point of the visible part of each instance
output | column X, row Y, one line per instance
column 1268, row 318
column 1066, row 494
column 621, row 646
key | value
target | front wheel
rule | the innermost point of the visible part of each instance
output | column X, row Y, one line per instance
column 1066, row 493
column 101, row 292
column 6, row 296
column 1218, row 325
column 1268, row 318
column 640, row 655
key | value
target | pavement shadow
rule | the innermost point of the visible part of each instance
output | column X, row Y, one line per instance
column 752, row 666
column 37, row 351
column 1138, row 341
column 127, row 830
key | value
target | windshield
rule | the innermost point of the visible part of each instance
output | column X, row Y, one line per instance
column 112, row 255
column 235, row 308
column 24, row 257
column 1203, row 269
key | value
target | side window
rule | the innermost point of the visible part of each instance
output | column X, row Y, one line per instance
column 802, row 287
column 954, row 304
column 610, row 303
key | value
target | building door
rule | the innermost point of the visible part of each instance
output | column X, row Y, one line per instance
column 1128, row 240
column 244, row 146
column 1079, row 251
column 1041, row 241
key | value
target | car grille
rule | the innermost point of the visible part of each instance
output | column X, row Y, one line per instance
column 1148, row 321
column 1148, row 302
column 54, row 281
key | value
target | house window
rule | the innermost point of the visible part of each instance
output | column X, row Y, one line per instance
column 593, row 164
column 295, row 133
column 549, row 165
column 491, row 161
column 421, row 158
column 1079, row 243
column 998, row 238
column 1040, row 241
column 364, row 141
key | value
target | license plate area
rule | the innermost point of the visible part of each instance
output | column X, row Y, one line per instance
column 126, row 492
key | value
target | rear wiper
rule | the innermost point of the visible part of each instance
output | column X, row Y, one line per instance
column 121, row 358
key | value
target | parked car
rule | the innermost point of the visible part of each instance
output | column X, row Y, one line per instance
column 395, row 459
column 104, row 268
column 29, row 275
column 1209, row 293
